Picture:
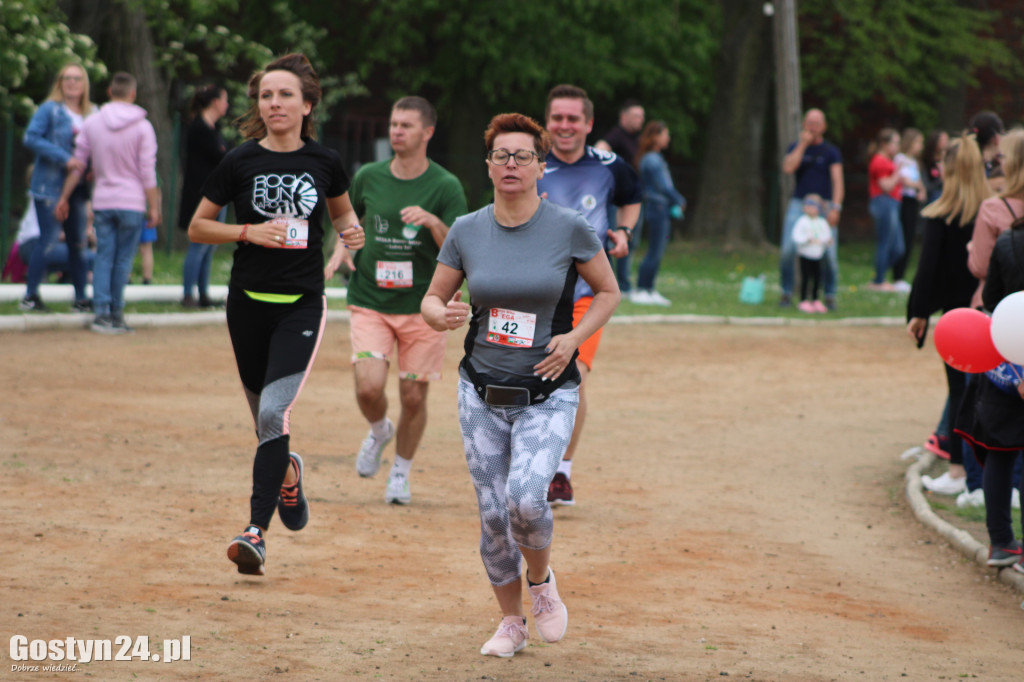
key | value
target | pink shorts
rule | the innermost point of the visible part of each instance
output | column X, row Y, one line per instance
column 420, row 348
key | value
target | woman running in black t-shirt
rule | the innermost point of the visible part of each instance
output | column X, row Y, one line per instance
column 280, row 181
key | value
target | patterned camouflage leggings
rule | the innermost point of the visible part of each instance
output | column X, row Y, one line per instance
column 512, row 454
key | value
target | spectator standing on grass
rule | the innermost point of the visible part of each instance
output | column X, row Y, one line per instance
column 624, row 139
column 812, row 236
column 988, row 129
column 817, row 167
column 914, row 194
column 121, row 144
column 885, row 191
column 409, row 201
column 662, row 203
column 943, row 282
column 519, row 382
column 994, row 426
column 204, row 149
column 998, row 213
column 595, row 183
column 283, row 184
column 931, row 163
column 51, row 136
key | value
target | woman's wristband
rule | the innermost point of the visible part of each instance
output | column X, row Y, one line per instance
column 243, row 234
column 627, row 230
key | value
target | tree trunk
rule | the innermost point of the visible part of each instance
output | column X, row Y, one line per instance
column 729, row 207
column 466, row 151
column 126, row 44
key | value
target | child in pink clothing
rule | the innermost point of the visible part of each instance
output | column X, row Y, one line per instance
column 121, row 144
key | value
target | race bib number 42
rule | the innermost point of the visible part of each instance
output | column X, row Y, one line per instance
column 394, row 274
column 511, row 328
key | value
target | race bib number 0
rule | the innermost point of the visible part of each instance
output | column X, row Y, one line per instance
column 511, row 328
column 298, row 234
column 394, row 274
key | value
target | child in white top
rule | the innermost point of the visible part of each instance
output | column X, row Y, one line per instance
column 812, row 236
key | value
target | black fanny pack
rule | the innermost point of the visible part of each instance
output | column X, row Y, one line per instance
column 519, row 393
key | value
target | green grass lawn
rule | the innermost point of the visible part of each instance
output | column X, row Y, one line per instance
column 698, row 279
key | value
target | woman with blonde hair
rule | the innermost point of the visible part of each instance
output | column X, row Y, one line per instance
column 998, row 213
column 943, row 281
column 51, row 137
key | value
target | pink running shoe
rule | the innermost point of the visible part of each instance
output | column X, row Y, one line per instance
column 510, row 638
column 819, row 307
column 551, row 618
column 806, row 307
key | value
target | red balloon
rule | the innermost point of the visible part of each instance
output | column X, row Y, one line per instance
column 964, row 340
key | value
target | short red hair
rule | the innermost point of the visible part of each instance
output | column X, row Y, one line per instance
column 518, row 123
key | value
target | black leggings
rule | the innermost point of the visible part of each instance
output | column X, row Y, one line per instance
column 909, row 209
column 998, row 484
column 275, row 345
column 810, row 278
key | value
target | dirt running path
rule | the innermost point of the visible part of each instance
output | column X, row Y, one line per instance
column 740, row 512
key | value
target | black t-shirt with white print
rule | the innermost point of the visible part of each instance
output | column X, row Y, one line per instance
column 264, row 184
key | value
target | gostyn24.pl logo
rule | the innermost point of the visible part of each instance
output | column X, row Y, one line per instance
column 70, row 651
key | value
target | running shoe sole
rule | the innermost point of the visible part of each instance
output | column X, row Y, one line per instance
column 247, row 557
column 294, row 516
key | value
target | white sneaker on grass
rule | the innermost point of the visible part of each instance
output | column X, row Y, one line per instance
column 640, row 297
column 368, row 459
column 945, row 484
column 658, row 299
column 971, row 498
column 398, row 489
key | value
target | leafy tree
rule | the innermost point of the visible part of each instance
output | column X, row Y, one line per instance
column 903, row 54
column 476, row 59
column 35, row 42
column 859, row 54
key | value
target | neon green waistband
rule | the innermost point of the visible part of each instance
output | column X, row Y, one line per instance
column 272, row 298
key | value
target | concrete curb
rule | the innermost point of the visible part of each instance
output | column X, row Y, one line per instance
column 959, row 538
column 36, row 322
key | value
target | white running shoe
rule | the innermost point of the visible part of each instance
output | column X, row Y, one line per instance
column 902, row 286
column 945, row 484
column 640, row 297
column 398, row 489
column 368, row 459
column 972, row 498
column 658, row 299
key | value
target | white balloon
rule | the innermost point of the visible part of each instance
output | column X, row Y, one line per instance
column 1008, row 327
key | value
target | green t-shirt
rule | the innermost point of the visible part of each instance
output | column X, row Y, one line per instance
column 394, row 268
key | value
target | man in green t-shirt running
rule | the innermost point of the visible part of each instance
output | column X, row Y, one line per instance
column 406, row 205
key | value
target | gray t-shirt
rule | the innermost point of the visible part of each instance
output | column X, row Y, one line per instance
column 521, row 282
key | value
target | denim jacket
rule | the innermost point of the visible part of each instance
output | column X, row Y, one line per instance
column 50, row 136
column 658, row 187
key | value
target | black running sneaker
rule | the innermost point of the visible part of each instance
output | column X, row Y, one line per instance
column 250, row 552
column 1005, row 556
column 83, row 305
column 560, row 491
column 292, row 506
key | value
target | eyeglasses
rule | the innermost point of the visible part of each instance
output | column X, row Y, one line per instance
column 500, row 157
column 72, row 78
